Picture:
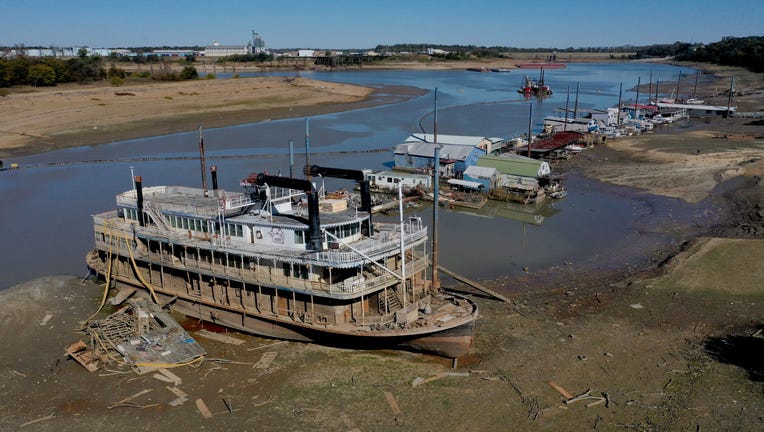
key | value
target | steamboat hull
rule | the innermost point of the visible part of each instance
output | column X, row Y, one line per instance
column 450, row 339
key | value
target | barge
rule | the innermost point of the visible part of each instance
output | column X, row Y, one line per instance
column 278, row 260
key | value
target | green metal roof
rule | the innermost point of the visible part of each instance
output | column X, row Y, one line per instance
column 517, row 165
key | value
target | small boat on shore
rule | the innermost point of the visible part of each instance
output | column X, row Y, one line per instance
column 279, row 260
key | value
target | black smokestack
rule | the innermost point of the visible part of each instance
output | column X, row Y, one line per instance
column 139, row 200
column 214, row 172
column 314, row 240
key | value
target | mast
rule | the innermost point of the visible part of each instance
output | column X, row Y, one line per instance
column 677, row 86
column 729, row 98
column 618, row 115
column 291, row 158
column 307, row 144
column 435, row 196
column 435, row 118
column 695, row 88
column 403, row 250
column 530, row 121
column 575, row 107
column 657, row 83
column 567, row 101
column 201, row 160
column 650, row 87
column 435, row 205
column 636, row 102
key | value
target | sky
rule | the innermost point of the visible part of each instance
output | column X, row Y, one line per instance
column 362, row 24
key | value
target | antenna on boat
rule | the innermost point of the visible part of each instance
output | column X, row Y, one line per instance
column 201, row 160
column 132, row 178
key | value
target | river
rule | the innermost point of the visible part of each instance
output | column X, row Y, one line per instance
column 45, row 215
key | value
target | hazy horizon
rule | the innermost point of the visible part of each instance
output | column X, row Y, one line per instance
column 364, row 24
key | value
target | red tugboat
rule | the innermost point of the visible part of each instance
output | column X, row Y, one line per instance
column 535, row 88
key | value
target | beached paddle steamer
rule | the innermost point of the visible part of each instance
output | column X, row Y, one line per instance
column 282, row 260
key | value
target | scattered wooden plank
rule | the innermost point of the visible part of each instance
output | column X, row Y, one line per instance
column 473, row 284
column 266, row 360
column 47, row 417
column 568, row 395
column 203, row 410
column 219, row 337
column 177, row 392
column 87, row 358
column 129, row 398
column 161, row 377
column 46, row 318
column 267, row 346
column 122, row 295
column 170, row 376
column 177, row 401
column 393, row 404
column 182, row 397
column 419, row 380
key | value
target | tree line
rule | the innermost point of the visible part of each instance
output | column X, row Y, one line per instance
column 49, row 71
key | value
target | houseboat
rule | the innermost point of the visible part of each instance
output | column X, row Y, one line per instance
column 278, row 260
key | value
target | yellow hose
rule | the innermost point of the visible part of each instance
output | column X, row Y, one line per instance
column 170, row 365
column 108, row 281
column 138, row 272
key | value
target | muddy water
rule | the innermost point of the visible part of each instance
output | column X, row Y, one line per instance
column 45, row 223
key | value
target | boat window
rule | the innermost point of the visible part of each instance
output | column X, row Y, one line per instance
column 299, row 237
column 233, row 229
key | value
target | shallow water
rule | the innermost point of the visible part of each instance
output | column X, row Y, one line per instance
column 45, row 213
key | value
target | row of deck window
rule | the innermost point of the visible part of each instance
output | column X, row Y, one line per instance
column 201, row 225
column 237, row 230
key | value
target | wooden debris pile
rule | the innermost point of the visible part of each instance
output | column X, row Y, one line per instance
column 140, row 335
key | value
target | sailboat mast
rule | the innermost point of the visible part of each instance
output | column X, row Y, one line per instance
column 729, row 98
column 636, row 102
column 567, row 101
column 620, row 93
column 695, row 88
column 530, row 122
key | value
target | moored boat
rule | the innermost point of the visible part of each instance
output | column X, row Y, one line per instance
column 280, row 261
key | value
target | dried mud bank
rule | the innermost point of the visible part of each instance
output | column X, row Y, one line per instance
column 41, row 120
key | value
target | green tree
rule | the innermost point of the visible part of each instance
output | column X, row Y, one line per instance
column 41, row 75
column 189, row 72
column 116, row 72
column 62, row 71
